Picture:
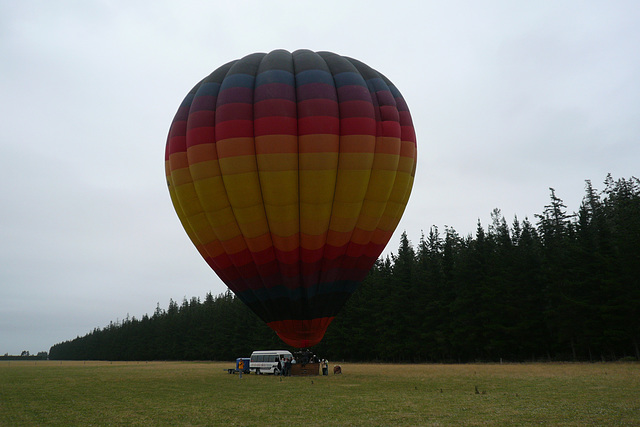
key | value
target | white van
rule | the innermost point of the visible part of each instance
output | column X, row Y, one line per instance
column 266, row 362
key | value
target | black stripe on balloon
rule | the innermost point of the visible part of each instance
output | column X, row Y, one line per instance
column 320, row 306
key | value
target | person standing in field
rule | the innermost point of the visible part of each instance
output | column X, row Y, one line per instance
column 287, row 367
column 241, row 367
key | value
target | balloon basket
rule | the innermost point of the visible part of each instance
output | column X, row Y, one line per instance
column 305, row 369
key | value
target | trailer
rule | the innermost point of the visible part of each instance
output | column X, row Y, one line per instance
column 245, row 370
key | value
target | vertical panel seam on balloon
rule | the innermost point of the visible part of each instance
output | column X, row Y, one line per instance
column 251, row 291
column 195, row 188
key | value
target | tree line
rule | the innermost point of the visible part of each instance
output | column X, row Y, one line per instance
column 561, row 287
column 25, row 355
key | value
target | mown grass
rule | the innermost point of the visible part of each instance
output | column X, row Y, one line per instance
column 174, row 393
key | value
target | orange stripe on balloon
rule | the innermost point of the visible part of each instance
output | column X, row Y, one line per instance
column 318, row 143
column 276, row 144
column 202, row 153
column 338, row 238
column 286, row 243
column 233, row 147
column 357, row 143
column 260, row 243
column 319, row 161
column 408, row 149
column 388, row 145
column 311, row 242
column 234, row 245
column 178, row 161
column 214, row 248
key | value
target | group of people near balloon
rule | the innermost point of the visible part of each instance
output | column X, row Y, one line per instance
column 284, row 366
column 284, row 363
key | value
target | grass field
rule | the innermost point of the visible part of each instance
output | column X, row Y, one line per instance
column 168, row 393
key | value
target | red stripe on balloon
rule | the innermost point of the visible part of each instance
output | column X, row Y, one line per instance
column 234, row 111
column 276, row 126
column 201, row 135
column 201, row 118
column 301, row 333
column 356, row 108
column 203, row 102
column 234, row 129
column 274, row 108
column 357, row 126
column 318, row 125
column 389, row 128
column 318, row 107
column 389, row 112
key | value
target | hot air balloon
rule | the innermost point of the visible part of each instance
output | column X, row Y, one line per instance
column 290, row 172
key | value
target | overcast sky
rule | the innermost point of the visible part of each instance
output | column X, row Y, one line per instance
column 508, row 99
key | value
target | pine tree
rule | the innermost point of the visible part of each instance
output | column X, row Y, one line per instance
column 622, row 311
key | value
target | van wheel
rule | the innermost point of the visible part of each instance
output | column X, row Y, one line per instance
column 276, row 371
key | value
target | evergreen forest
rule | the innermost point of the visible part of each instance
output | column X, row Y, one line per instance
column 563, row 286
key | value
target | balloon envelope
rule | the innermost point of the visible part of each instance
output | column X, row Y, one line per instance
column 289, row 173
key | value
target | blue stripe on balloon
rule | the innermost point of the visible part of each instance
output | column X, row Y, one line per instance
column 237, row 80
column 376, row 84
column 314, row 76
column 349, row 79
column 208, row 89
column 395, row 92
column 188, row 100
